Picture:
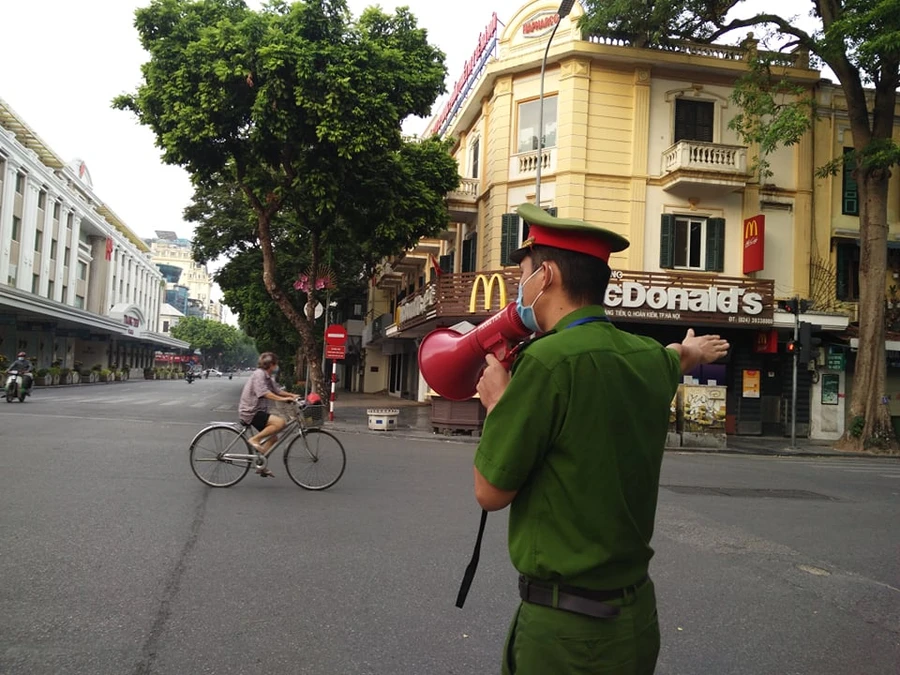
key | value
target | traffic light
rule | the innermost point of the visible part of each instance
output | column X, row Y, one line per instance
column 789, row 306
column 794, row 306
column 792, row 347
column 807, row 342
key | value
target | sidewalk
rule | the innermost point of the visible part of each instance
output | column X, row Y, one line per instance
column 414, row 423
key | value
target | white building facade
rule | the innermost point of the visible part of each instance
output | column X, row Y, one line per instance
column 76, row 284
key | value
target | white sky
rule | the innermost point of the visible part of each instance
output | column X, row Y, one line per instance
column 65, row 60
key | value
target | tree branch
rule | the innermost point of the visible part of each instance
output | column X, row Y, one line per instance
column 803, row 38
column 885, row 99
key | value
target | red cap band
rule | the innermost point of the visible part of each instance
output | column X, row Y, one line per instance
column 580, row 242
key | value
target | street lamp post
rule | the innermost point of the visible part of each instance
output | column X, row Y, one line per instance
column 564, row 8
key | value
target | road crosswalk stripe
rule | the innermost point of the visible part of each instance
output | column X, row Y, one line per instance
column 172, row 402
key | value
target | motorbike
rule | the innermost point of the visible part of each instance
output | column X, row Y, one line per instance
column 189, row 376
column 15, row 386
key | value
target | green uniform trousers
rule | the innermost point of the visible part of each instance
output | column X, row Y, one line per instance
column 547, row 641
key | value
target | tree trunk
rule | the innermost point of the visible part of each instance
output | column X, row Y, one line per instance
column 298, row 321
column 870, row 425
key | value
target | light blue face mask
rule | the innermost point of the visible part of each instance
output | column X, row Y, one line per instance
column 527, row 313
column 275, row 370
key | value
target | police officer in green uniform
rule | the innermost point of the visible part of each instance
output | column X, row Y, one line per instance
column 573, row 441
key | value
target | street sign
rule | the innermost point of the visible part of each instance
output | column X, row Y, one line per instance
column 335, row 335
column 335, row 352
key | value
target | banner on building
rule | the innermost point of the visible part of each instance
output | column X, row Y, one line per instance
column 754, row 244
column 766, row 342
column 109, row 248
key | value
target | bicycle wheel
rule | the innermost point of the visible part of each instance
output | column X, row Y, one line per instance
column 207, row 462
column 315, row 460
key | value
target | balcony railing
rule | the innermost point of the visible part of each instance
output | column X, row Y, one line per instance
column 459, row 296
column 468, row 189
column 701, row 156
column 524, row 165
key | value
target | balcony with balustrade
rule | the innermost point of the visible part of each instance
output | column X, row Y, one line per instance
column 463, row 201
column 701, row 170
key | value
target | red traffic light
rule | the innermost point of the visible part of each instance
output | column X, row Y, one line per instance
column 792, row 347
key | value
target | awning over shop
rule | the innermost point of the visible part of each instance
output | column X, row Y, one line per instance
column 889, row 345
column 27, row 308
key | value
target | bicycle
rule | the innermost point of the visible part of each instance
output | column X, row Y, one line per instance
column 223, row 446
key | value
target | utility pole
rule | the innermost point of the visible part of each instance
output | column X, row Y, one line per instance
column 796, row 302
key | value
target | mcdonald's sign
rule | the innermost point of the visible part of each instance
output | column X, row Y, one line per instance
column 754, row 244
column 487, row 286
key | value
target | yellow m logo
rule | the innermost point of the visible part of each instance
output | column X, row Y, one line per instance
column 751, row 230
column 487, row 285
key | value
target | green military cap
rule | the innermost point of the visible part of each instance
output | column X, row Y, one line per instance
column 566, row 233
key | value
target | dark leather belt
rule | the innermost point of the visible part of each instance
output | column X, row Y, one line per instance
column 577, row 600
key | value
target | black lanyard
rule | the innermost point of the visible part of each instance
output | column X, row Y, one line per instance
column 469, row 574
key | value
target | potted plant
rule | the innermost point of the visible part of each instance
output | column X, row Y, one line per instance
column 41, row 377
column 65, row 376
column 105, row 375
column 54, row 373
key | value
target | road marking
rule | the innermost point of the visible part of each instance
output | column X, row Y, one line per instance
column 175, row 402
column 202, row 404
column 104, row 419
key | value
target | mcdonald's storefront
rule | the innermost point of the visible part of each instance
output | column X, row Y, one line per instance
column 660, row 305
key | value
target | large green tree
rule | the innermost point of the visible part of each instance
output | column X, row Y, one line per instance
column 298, row 108
column 212, row 338
column 860, row 41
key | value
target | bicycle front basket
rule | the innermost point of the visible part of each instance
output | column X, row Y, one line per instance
column 313, row 416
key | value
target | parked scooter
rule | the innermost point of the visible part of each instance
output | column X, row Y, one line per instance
column 15, row 386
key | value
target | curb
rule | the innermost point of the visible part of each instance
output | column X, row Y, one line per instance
column 413, row 434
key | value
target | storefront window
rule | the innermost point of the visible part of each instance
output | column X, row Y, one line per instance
column 529, row 120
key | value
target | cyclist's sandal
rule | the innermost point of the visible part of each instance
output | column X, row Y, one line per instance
column 265, row 473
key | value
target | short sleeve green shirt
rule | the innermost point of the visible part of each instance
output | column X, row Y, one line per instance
column 579, row 433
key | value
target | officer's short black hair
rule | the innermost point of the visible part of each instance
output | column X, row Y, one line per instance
column 584, row 277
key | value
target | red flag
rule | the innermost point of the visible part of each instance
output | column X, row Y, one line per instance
column 434, row 264
column 109, row 249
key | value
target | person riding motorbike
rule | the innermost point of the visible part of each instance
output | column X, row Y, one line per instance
column 24, row 368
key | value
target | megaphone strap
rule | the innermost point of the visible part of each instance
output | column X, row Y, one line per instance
column 473, row 564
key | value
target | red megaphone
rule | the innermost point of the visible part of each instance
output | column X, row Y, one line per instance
column 451, row 362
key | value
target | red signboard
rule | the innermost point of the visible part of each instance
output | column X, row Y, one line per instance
column 754, row 244
column 336, row 335
column 766, row 342
column 335, row 352
column 471, row 70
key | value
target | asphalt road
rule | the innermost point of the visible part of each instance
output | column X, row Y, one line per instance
column 115, row 559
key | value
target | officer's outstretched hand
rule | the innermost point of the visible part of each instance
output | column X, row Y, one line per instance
column 492, row 383
column 707, row 348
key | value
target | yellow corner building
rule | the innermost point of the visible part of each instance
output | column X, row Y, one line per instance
column 638, row 140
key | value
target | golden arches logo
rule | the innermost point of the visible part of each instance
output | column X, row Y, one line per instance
column 751, row 229
column 487, row 285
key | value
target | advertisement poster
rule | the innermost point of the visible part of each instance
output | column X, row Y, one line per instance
column 831, row 386
column 703, row 409
column 751, row 384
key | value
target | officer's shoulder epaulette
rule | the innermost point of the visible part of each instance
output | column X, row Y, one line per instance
column 526, row 344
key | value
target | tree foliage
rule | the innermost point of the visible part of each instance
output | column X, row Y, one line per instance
column 297, row 107
column 219, row 343
column 860, row 41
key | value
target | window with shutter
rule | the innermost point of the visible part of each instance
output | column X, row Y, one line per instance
column 847, row 273
column 715, row 245
column 694, row 120
column 667, row 241
column 446, row 263
column 467, row 256
column 509, row 237
column 849, row 190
